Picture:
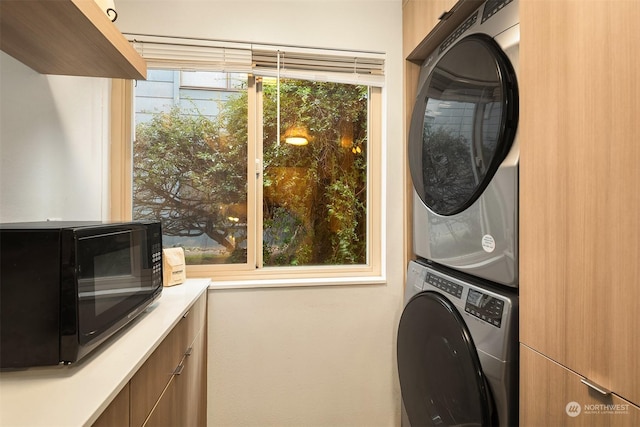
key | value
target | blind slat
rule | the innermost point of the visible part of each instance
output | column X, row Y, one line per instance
column 295, row 62
column 186, row 53
column 331, row 63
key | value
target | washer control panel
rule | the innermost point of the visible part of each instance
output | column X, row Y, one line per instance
column 444, row 285
column 484, row 307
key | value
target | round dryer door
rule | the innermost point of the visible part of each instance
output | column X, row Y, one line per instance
column 463, row 124
column 440, row 374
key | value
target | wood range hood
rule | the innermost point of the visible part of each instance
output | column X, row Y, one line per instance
column 67, row 37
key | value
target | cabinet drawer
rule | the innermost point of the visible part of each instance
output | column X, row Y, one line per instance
column 167, row 411
column 149, row 383
column 195, row 319
column 117, row 413
column 183, row 402
column 552, row 395
column 151, row 379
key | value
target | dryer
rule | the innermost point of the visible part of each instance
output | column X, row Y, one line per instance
column 457, row 350
column 463, row 148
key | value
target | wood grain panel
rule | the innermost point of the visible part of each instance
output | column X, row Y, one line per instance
column 184, row 400
column 418, row 19
column 149, row 383
column 192, row 385
column 549, row 388
column 411, row 76
column 121, row 151
column 579, row 189
column 117, row 413
column 196, row 319
column 68, row 37
column 167, row 411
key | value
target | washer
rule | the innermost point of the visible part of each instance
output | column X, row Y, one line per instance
column 463, row 147
column 457, row 350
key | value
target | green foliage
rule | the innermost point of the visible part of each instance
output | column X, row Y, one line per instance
column 190, row 172
column 332, row 208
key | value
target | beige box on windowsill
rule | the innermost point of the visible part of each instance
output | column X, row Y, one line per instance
column 173, row 266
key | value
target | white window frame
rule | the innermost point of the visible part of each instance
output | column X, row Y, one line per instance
column 252, row 273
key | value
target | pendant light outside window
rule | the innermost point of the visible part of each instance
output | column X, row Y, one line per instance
column 297, row 135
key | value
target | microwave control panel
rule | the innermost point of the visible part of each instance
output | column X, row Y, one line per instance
column 156, row 259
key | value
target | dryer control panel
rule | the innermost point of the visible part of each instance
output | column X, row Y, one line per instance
column 484, row 307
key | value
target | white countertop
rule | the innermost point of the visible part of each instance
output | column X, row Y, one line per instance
column 76, row 395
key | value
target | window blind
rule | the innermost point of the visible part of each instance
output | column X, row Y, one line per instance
column 260, row 59
column 191, row 53
column 320, row 65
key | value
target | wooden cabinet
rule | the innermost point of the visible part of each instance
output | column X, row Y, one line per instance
column 183, row 401
column 68, row 37
column 419, row 17
column 426, row 23
column 170, row 387
column 149, row 382
column 117, row 413
column 580, row 189
column 555, row 396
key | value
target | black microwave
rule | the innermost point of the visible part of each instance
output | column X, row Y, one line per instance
column 65, row 287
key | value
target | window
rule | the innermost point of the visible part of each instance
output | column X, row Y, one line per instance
column 314, row 194
column 190, row 156
column 212, row 162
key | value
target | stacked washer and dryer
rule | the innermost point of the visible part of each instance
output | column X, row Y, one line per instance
column 458, row 334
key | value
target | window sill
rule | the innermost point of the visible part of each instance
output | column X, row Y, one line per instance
column 300, row 282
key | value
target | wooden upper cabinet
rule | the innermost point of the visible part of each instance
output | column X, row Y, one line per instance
column 67, row 37
column 580, row 187
column 426, row 23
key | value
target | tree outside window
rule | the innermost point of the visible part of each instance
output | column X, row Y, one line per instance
column 190, row 172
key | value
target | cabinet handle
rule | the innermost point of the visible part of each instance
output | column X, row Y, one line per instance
column 445, row 15
column 184, row 316
column 178, row 369
column 189, row 351
column 603, row 391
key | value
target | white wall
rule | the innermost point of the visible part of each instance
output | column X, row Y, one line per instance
column 315, row 356
column 53, row 145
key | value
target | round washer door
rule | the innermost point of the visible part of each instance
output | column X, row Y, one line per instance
column 440, row 374
column 463, row 124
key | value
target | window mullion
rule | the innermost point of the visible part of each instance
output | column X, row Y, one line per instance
column 254, row 174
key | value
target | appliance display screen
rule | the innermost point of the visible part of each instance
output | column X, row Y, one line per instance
column 474, row 298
